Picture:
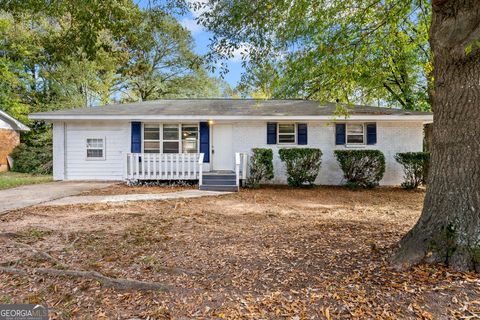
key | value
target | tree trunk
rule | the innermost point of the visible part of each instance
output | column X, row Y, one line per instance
column 428, row 136
column 448, row 230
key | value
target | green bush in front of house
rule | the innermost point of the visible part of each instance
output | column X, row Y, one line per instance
column 302, row 165
column 260, row 167
column 34, row 155
column 415, row 165
column 361, row 168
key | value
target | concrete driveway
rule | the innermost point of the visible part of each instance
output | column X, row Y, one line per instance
column 30, row 195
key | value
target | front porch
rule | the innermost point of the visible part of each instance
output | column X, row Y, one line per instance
column 185, row 166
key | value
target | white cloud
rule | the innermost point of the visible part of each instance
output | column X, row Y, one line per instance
column 199, row 7
column 191, row 25
column 239, row 54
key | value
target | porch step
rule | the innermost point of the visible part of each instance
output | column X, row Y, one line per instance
column 221, row 176
column 219, row 181
column 219, row 188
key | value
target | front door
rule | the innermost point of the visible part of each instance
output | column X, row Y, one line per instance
column 222, row 150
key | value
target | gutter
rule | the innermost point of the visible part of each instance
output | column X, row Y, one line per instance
column 53, row 117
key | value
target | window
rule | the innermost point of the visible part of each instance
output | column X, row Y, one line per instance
column 189, row 138
column 355, row 133
column 171, row 141
column 170, row 138
column 286, row 133
column 151, row 138
column 95, row 149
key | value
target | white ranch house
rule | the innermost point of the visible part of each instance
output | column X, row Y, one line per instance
column 210, row 139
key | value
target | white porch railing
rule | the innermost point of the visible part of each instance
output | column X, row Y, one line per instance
column 164, row 166
column 241, row 164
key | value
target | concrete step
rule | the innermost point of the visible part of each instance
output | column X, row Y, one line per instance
column 207, row 176
column 219, row 188
column 218, row 182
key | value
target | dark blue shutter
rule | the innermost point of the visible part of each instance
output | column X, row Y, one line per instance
column 136, row 143
column 340, row 133
column 371, row 133
column 272, row 133
column 205, row 141
column 302, row 138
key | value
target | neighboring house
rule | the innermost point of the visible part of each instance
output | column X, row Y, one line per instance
column 166, row 139
column 9, row 137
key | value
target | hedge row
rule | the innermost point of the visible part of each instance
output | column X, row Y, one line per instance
column 415, row 166
column 362, row 168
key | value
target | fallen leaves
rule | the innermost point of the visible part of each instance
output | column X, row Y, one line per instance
column 277, row 253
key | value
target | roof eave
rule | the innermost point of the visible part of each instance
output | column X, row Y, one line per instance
column 393, row 117
column 14, row 123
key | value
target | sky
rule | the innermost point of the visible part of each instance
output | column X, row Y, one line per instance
column 201, row 38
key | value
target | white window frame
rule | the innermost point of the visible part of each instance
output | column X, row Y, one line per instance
column 159, row 137
column 355, row 143
column 179, row 133
column 287, row 134
column 180, row 141
column 198, row 136
column 104, row 149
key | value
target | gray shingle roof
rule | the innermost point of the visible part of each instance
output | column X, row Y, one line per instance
column 224, row 107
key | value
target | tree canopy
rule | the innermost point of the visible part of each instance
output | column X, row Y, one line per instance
column 374, row 52
column 63, row 54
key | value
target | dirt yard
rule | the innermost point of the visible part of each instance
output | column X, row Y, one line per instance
column 274, row 253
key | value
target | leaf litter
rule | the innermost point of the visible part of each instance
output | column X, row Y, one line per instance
column 273, row 253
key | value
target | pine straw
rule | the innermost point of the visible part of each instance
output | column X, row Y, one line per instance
column 268, row 253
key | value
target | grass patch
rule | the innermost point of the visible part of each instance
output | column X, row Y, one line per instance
column 11, row 179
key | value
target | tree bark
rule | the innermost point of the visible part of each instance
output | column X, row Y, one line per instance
column 448, row 230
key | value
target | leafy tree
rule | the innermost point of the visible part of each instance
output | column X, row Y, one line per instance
column 260, row 81
column 368, row 50
column 161, row 54
column 362, row 51
column 64, row 54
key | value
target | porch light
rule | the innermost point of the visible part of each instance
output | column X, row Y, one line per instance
column 210, row 122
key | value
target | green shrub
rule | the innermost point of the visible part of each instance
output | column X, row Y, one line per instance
column 415, row 165
column 34, row 155
column 361, row 168
column 302, row 164
column 260, row 167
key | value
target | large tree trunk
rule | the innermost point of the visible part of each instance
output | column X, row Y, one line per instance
column 448, row 230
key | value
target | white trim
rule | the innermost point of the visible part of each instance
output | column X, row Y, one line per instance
column 178, row 140
column 104, row 149
column 197, row 124
column 180, row 137
column 14, row 123
column 146, row 118
column 364, row 132
column 285, row 134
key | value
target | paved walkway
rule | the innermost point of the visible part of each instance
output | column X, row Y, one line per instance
column 29, row 195
column 133, row 197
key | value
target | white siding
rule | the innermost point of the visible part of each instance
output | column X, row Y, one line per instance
column 117, row 143
column 392, row 137
column 59, row 151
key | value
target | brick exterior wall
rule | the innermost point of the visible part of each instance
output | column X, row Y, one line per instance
column 9, row 139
